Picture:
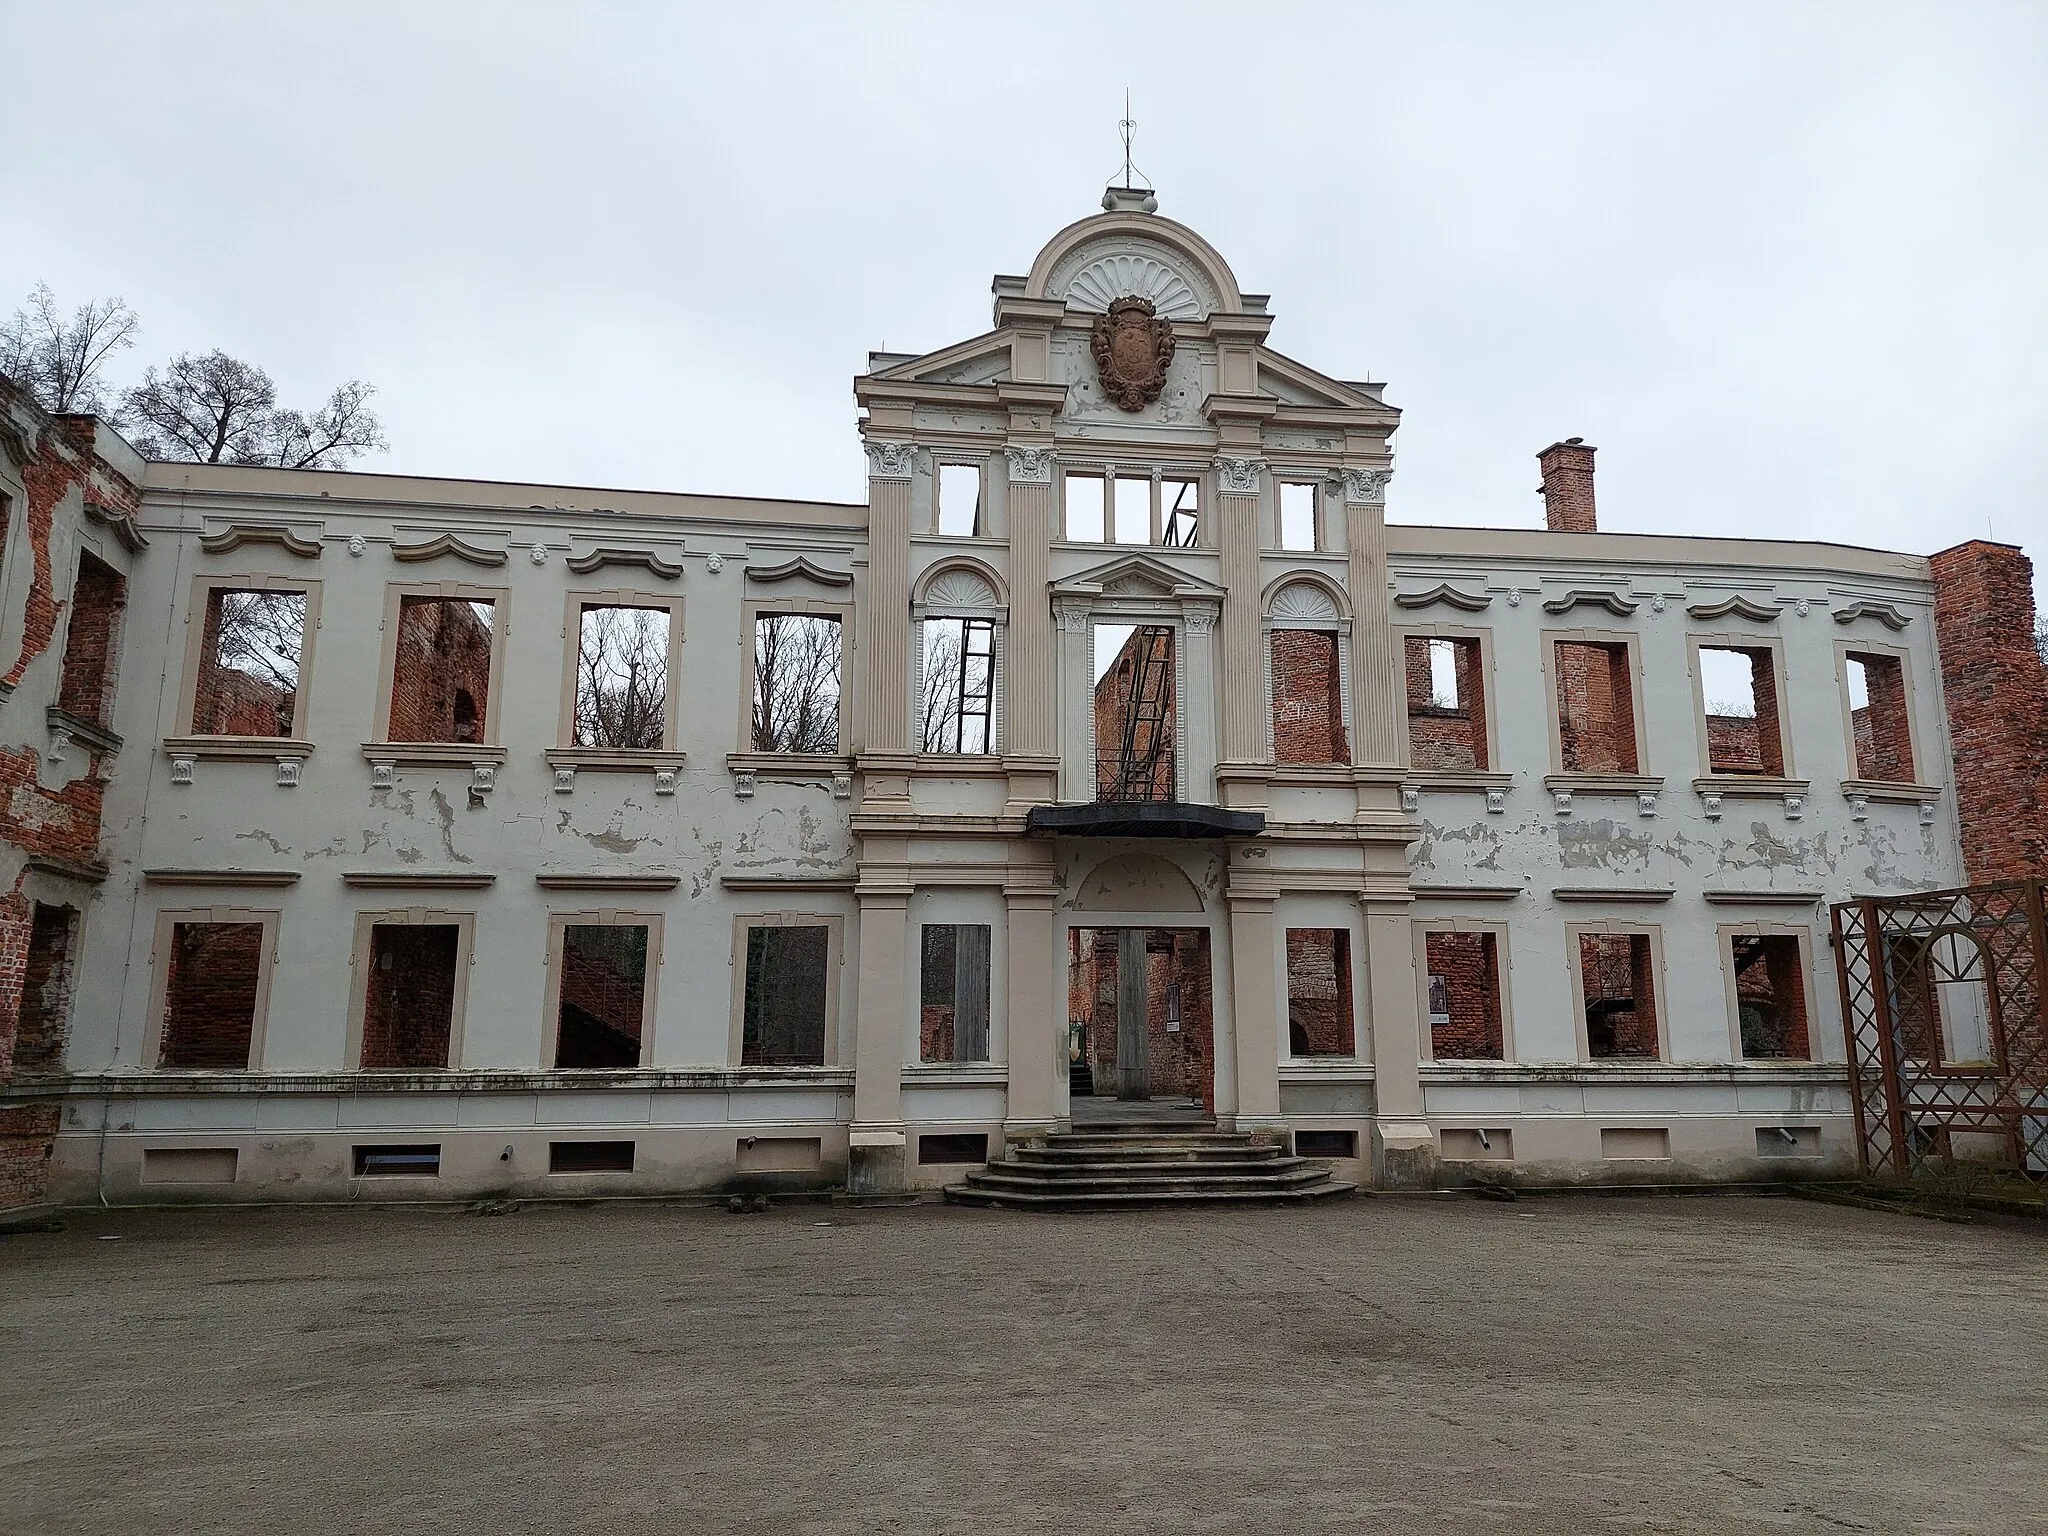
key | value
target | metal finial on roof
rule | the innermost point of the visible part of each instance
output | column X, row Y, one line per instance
column 1122, row 195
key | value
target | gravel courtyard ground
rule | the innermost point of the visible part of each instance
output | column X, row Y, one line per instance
column 1376, row 1365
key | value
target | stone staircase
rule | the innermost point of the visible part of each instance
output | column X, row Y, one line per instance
column 1121, row 1165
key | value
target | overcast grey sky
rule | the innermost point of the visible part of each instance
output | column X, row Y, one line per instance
column 1786, row 264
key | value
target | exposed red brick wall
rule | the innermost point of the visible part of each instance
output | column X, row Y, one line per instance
column 1596, row 719
column 409, row 1003
column 210, row 994
column 1770, row 989
column 1568, row 486
column 1884, row 738
column 1114, row 705
column 91, row 642
column 1182, row 1061
column 1451, row 737
column 603, row 995
column 1319, row 1019
column 1997, row 696
column 227, row 701
column 27, row 1132
column 442, row 676
column 1619, row 980
column 46, row 990
column 1469, row 964
column 1748, row 743
column 1308, row 698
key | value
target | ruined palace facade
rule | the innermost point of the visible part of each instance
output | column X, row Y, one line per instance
column 375, row 837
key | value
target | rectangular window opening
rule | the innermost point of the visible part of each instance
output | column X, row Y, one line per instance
column 46, row 990
column 418, row 1161
column 1308, row 698
column 1446, row 704
column 953, row 992
column 783, row 1010
column 1770, row 997
column 210, row 990
column 1596, row 720
column 1616, row 973
column 92, row 641
column 590, row 1157
column 960, row 500
column 1084, row 508
column 441, row 669
column 1877, row 718
column 958, row 686
column 1133, row 510
column 603, row 995
column 189, row 1165
column 1180, row 513
column 1319, row 992
column 1739, row 686
column 796, row 683
column 1297, row 516
column 1464, row 997
column 409, row 999
column 1326, row 1143
column 622, row 677
column 953, row 1147
column 1134, row 712
column 249, row 663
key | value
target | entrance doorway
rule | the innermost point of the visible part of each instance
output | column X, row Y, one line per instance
column 1139, row 1021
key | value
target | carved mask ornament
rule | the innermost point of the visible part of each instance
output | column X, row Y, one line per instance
column 1132, row 351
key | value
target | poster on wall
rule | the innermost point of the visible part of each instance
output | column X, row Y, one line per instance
column 1439, row 1000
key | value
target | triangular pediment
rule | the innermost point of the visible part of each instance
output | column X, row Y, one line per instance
column 983, row 359
column 1138, row 576
column 1294, row 383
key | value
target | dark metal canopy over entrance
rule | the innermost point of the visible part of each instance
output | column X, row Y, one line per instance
column 1143, row 818
column 1942, row 1003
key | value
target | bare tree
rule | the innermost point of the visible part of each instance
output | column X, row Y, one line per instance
column 216, row 409
column 796, row 683
column 622, row 678
column 262, row 634
column 58, row 361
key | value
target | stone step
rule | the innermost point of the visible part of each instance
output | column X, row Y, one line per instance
column 1054, row 1154
column 1150, row 1138
column 1155, row 1168
column 1078, row 1200
column 1124, row 1179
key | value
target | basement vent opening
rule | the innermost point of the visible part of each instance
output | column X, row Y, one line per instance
column 206, row 1165
column 422, row 1162
column 953, row 1147
column 1326, row 1143
column 590, row 1157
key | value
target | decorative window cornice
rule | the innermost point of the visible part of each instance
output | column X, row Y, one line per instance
column 1587, row 597
column 1740, row 606
column 1443, row 592
column 612, row 554
column 1870, row 608
column 799, row 568
column 235, row 535
column 447, row 544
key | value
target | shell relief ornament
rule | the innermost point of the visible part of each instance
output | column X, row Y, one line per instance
column 1133, row 349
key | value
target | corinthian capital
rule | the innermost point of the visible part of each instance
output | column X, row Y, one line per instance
column 1238, row 477
column 1366, row 487
column 890, row 461
column 1030, row 466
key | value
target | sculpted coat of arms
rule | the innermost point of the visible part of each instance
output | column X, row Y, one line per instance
column 1132, row 350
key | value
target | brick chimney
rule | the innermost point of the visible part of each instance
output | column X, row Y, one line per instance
column 1568, row 486
column 1996, row 689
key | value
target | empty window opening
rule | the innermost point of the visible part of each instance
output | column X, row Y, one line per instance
column 46, row 990
column 1770, row 997
column 409, row 1001
column 1940, row 1005
column 953, row 992
column 783, row 1012
column 1740, row 688
column 1446, row 704
column 1180, row 513
column 1877, row 719
column 189, row 1165
column 1319, row 992
column 953, row 1147
column 1616, row 974
column 796, row 683
column 249, row 663
column 413, row 1161
column 590, row 1157
column 1297, row 516
column 441, row 675
column 622, row 678
column 1308, row 698
column 1133, row 510
column 1596, row 721
column 210, row 991
column 960, row 500
column 603, row 1004
column 958, row 685
column 1134, row 712
column 1084, row 503
column 1464, row 997
column 1326, row 1143
column 91, row 642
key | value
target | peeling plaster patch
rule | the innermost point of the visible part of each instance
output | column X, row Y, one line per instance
column 372, row 839
column 446, row 813
column 610, row 841
column 1603, row 845
column 562, row 820
column 410, row 855
column 258, row 835
column 701, row 880
column 1770, row 851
